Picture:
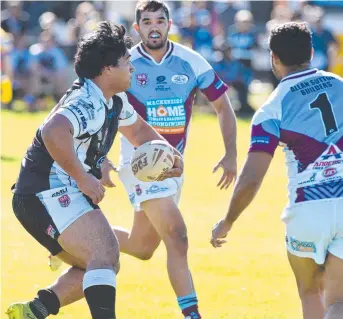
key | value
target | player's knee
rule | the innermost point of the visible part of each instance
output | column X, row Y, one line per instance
column 106, row 258
column 145, row 254
column 177, row 240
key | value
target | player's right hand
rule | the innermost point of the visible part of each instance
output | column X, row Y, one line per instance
column 91, row 186
column 175, row 171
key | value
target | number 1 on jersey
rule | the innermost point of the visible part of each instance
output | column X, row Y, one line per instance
column 323, row 104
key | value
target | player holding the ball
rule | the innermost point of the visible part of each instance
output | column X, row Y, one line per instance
column 63, row 173
column 164, row 82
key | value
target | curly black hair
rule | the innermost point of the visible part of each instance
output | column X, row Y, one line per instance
column 100, row 48
column 292, row 43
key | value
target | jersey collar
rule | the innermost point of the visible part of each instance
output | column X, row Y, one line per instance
column 97, row 90
column 300, row 74
column 142, row 52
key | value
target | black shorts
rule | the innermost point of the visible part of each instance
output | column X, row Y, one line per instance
column 39, row 221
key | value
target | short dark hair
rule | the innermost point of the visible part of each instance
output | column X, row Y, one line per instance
column 292, row 43
column 100, row 48
column 152, row 6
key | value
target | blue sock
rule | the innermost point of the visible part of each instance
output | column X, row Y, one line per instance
column 189, row 305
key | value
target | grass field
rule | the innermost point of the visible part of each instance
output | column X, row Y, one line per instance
column 249, row 278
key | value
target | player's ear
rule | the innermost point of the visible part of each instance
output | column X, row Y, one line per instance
column 106, row 70
column 136, row 27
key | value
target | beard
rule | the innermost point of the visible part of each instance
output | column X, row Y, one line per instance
column 155, row 44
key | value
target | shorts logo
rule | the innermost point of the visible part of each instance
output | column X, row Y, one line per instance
column 50, row 231
column 180, row 79
column 154, row 189
column 260, row 140
column 330, row 172
column 303, row 246
column 142, row 79
column 60, row 192
column 138, row 190
column 64, row 201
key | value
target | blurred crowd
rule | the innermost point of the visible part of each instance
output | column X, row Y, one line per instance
column 38, row 41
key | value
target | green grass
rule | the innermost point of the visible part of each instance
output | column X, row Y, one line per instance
column 249, row 278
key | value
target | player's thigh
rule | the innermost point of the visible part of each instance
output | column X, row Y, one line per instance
column 90, row 237
column 333, row 280
column 37, row 221
column 308, row 274
column 334, row 262
column 143, row 232
column 309, row 229
column 166, row 217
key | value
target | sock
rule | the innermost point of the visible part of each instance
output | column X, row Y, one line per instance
column 46, row 303
column 99, row 286
column 189, row 306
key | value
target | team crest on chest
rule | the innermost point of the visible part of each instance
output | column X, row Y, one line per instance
column 142, row 79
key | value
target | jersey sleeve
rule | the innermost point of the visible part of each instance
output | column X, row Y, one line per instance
column 83, row 116
column 265, row 128
column 208, row 81
column 128, row 114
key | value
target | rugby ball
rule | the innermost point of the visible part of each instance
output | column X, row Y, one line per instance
column 151, row 159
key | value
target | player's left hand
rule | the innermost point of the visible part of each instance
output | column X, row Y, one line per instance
column 175, row 171
column 106, row 167
column 229, row 166
column 219, row 232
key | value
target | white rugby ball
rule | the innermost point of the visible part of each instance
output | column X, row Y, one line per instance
column 151, row 159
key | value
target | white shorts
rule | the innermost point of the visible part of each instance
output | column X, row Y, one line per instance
column 139, row 191
column 65, row 205
column 315, row 228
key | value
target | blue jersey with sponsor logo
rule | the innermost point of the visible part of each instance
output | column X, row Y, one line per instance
column 163, row 93
column 305, row 115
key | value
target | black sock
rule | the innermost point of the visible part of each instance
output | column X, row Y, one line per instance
column 101, row 301
column 46, row 303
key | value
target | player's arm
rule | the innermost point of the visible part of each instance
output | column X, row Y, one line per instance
column 227, row 122
column 57, row 134
column 265, row 136
column 215, row 91
column 245, row 190
column 139, row 132
column 248, row 183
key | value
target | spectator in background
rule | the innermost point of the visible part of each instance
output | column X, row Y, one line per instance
column 233, row 73
column 56, row 27
column 203, row 37
column 14, row 20
column 324, row 43
column 20, row 59
column 86, row 19
column 49, row 66
column 242, row 39
column 6, row 42
column 227, row 10
column 279, row 15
